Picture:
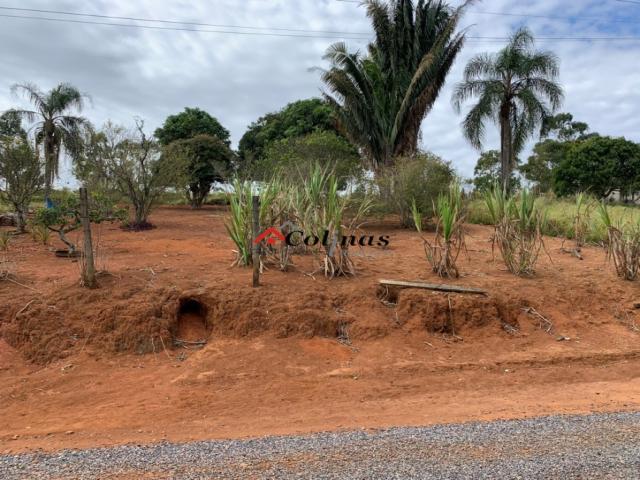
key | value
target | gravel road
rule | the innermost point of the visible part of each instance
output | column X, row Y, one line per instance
column 603, row 446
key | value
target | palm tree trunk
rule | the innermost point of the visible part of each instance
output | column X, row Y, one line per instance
column 48, row 167
column 505, row 146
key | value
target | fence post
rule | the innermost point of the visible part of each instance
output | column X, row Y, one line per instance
column 88, row 267
column 255, row 247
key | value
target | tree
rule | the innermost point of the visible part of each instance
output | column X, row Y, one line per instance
column 487, row 172
column 599, row 166
column 137, row 168
column 54, row 128
column 563, row 128
column 298, row 156
column 21, row 174
column 294, row 120
column 541, row 165
column 188, row 124
column 517, row 88
column 207, row 158
column 381, row 98
column 558, row 133
column 11, row 125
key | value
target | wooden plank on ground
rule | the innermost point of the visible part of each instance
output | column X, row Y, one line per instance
column 433, row 286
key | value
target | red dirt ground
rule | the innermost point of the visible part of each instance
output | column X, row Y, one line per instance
column 82, row 368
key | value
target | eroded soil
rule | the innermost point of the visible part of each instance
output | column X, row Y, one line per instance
column 82, row 368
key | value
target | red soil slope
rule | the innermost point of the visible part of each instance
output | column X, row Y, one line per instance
column 85, row 368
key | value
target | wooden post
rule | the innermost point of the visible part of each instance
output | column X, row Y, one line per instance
column 89, row 269
column 255, row 247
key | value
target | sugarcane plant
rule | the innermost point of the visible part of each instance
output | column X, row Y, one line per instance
column 449, row 240
column 581, row 220
column 518, row 225
column 623, row 244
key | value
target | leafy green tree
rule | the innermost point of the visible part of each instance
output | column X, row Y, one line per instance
column 298, row 156
column 558, row 133
column 486, row 173
column 294, row 120
column 381, row 98
column 599, row 166
column 517, row 88
column 188, row 124
column 208, row 159
column 21, row 176
column 541, row 164
column 55, row 128
column 563, row 127
column 11, row 125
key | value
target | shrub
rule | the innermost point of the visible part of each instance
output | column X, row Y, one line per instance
column 623, row 246
column 518, row 227
column 420, row 179
column 64, row 216
column 449, row 236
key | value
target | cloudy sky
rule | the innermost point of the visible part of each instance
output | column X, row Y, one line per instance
column 255, row 56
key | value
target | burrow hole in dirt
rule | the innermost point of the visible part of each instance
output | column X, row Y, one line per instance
column 191, row 324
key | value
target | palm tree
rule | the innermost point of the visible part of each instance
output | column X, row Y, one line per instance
column 381, row 98
column 516, row 88
column 54, row 128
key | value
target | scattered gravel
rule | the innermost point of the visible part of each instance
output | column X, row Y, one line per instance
column 604, row 446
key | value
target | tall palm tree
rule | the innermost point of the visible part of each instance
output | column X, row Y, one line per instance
column 381, row 98
column 517, row 88
column 54, row 127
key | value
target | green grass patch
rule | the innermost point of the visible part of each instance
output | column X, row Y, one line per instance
column 561, row 215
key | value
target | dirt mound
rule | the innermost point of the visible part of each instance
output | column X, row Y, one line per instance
column 125, row 315
column 455, row 314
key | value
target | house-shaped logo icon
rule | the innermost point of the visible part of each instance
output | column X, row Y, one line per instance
column 271, row 235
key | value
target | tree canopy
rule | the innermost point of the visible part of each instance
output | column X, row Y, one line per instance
column 299, row 155
column 381, row 98
column 599, row 166
column 486, row 173
column 188, row 124
column 294, row 120
column 207, row 159
column 55, row 127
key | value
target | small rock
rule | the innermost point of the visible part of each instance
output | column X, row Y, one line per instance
column 636, row 304
column 69, row 432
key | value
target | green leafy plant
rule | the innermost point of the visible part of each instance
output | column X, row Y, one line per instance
column 443, row 253
column 623, row 245
column 518, row 225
